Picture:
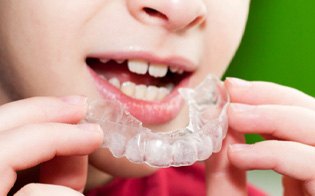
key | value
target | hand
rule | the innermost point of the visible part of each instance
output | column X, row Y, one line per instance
column 47, row 190
column 286, row 117
column 223, row 178
column 36, row 130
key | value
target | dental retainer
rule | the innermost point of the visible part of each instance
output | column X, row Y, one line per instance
column 125, row 136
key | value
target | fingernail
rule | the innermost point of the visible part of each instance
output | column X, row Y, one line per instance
column 239, row 147
column 75, row 100
column 241, row 107
column 90, row 127
column 238, row 82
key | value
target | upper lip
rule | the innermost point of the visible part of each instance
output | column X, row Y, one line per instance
column 172, row 61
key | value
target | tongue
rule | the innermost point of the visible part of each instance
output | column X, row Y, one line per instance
column 122, row 73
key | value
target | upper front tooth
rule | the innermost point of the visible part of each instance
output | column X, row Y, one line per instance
column 158, row 70
column 138, row 66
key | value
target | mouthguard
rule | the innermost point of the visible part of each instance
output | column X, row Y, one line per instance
column 125, row 136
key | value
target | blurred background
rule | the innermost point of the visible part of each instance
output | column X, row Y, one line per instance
column 278, row 46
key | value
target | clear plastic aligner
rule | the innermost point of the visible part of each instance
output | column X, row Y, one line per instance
column 126, row 137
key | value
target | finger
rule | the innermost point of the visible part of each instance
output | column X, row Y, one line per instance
column 30, row 145
column 288, row 158
column 66, row 171
column 42, row 109
column 284, row 122
column 47, row 190
column 256, row 93
column 291, row 159
column 222, row 177
column 66, row 109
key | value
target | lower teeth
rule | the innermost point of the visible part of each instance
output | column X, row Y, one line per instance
column 142, row 92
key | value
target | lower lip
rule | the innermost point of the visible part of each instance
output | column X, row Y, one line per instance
column 148, row 112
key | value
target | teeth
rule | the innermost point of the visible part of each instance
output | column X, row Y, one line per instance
column 140, row 91
column 162, row 93
column 120, row 61
column 176, row 70
column 158, row 70
column 115, row 82
column 104, row 60
column 151, row 94
column 128, row 88
column 180, row 71
column 138, row 66
column 103, row 77
column 142, row 67
column 170, row 86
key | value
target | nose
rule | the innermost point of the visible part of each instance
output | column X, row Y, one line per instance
column 174, row 15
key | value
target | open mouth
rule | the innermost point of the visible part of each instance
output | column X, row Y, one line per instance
column 147, row 88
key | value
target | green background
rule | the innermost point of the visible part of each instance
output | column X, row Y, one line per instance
column 278, row 45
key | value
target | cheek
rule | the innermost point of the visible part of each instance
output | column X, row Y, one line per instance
column 224, row 30
column 39, row 39
column 36, row 29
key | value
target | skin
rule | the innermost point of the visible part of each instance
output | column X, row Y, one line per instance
column 44, row 42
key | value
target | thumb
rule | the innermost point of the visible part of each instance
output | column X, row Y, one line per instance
column 222, row 177
column 46, row 189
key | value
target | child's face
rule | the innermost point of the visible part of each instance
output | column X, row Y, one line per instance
column 44, row 46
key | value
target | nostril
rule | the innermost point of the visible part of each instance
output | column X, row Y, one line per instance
column 155, row 13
